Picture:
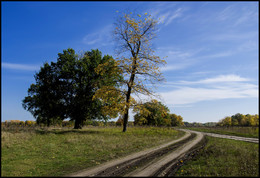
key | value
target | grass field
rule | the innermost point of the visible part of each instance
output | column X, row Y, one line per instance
column 58, row 152
column 225, row 158
column 235, row 131
column 63, row 151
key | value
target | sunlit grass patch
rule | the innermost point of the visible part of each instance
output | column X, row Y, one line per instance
column 57, row 152
column 224, row 157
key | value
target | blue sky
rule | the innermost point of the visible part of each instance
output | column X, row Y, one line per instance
column 211, row 47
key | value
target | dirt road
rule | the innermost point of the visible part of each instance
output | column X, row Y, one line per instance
column 254, row 140
column 163, row 160
column 157, row 161
column 160, row 166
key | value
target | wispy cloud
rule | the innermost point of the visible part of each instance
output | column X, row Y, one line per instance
column 214, row 80
column 215, row 88
column 188, row 95
column 233, row 36
column 178, row 66
column 169, row 16
column 178, row 59
column 101, row 37
column 237, row 14
column 166, row 12
column 224, row 78
column 24, row 67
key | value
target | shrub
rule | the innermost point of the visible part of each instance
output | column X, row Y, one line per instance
column 97, row 123
column 22, row 123
column 119, row 122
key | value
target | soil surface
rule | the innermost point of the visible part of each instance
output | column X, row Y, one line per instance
column 147, row 162
column 160, row 161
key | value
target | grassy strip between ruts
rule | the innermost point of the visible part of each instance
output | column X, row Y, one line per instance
column 252, row 132
column 60, row 152
column 225, row 158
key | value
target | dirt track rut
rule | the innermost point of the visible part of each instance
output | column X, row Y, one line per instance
column 163, row 160
column 152, row 168
column 151, row 162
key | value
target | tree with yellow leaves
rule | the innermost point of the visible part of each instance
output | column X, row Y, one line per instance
column 151, row 113
column 137, row 61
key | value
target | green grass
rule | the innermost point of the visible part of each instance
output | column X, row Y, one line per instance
column 63, row 151
column 252, row 132
column 224, row 158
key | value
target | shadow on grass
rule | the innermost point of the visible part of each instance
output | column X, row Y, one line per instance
column 78, row 131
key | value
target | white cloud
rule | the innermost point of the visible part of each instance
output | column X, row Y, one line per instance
column 188, row 95
column 92, row 38
column 225, row 78
column 165, row 13
column 180, row 54
column 238, row 15
column 19, row 66
column 215, row 88
column 218, row 79
column 101, row 37
column 171, row 17
column 174, row 67
column 227, row 13
column 178, row 59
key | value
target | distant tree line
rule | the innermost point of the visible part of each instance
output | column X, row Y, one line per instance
column 240, row 120
column 234, row 120
column 66, row 123
column 198, row 124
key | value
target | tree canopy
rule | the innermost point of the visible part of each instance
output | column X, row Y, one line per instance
column 156, row 114
column 240, row 120
column 133, row 34
column 65, row 89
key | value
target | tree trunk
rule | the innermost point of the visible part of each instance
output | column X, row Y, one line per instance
column 77, row 124
column 125, row 120
column 48, row 122
column 131, row 81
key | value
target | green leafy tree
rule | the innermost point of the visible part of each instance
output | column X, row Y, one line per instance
column 176, row 120
column 65, row 89
column 240, row 120
column 256, row 120
column 237, row 119
column 151, row 113
column 42, row 102
column 227, row 121
column 140, row 119
column 249, row 120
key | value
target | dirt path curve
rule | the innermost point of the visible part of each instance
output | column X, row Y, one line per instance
column 154, row 166
column 96, row 170
column 254, row 140
column 159, row 161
